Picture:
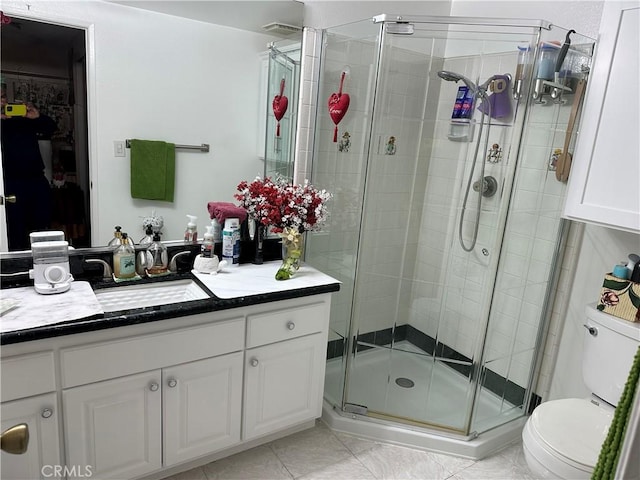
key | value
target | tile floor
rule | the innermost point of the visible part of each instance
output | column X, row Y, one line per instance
column 319, row 453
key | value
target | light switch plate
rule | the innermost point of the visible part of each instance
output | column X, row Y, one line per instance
column 118, row 148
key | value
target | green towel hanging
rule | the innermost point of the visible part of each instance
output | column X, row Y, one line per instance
column 605, row 469
column 153, row 170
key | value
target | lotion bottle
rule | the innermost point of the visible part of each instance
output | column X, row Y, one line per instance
column 124, row 259
column 191, row 233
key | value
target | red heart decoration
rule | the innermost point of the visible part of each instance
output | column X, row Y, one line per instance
column 338, row 105
column 279, row 105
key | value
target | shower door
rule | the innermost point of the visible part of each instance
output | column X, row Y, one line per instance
column 409, row 327
column 283, row 86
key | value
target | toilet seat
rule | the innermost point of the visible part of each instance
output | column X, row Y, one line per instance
column 567, row 434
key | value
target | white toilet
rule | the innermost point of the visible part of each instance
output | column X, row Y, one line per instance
column 562, row 438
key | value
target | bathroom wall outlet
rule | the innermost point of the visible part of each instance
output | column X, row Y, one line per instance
column 118, row 148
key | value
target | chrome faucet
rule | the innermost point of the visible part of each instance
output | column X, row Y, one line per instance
column 172, row 264
column 107, row 273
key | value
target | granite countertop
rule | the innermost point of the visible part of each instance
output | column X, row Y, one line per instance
column 38, row 316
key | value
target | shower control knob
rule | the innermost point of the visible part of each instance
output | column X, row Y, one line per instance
column 593, row 331
column 488, row 187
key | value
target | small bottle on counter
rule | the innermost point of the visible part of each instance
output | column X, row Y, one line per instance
column 207, row 244
column 191, row 233
column 148, row 237
column 117, row 237
column 217, row 231
column 124, row 259
column 231, row 242
column 158, row 256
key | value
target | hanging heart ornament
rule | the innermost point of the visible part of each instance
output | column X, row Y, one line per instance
column 279, row 105
column 338, row 106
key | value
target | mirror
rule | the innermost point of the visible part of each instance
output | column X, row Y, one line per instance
column 165, row 77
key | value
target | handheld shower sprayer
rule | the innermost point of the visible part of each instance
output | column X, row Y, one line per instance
column 478, row 91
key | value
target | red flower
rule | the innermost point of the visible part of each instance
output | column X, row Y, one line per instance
column 282, row 205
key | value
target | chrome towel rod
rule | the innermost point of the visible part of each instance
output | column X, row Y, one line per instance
column 201, row 148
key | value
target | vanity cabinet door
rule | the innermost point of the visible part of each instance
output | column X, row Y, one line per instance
column 605, row 177
column 283, row 384
column 114, row 426
column 42, row 458
column 202, row 407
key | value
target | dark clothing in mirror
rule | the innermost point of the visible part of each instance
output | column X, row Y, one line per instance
column 23, row 171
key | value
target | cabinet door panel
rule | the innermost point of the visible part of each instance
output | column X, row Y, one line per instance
column 202, row 409
column 114, row 426
column 43, row 450
column 603, row 186
column 283, row 384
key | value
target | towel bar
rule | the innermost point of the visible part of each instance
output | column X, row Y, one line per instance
column 202, row 148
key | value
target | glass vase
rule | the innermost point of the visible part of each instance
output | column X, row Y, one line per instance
column 292, row 251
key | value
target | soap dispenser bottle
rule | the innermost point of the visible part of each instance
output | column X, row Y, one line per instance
column 158, row 256
column 191, row 233
column 117, row 237
column 208, row 243
column 148, row 236
column 124, row 259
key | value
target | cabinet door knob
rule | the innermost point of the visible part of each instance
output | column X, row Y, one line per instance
column 254, row 362
column 172, row 382
column 46, row 412
column 291, row 325
column 154, row 387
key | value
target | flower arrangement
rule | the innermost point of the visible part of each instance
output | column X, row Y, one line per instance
column 282, row 205
column 156, row 222
column 289, row 209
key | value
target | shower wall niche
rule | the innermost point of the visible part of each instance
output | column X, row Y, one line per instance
column 423, row 332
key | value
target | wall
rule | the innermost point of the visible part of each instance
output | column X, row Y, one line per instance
column 154, row 76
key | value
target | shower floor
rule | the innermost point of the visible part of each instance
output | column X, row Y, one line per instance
column 440, row 396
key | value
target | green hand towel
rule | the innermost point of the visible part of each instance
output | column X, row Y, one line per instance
column 153, row 170
column 605, row 469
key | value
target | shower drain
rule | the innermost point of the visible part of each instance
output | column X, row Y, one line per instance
column 404, row 382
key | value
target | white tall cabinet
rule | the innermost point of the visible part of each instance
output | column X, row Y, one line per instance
column 604, row 186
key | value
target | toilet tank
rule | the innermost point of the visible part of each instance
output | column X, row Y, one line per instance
column 610, row 343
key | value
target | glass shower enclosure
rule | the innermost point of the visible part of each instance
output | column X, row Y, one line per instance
column 445, row 226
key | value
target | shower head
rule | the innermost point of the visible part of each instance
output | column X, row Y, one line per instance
column 455, row 77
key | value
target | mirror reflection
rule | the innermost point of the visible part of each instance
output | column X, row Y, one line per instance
column 117, row 75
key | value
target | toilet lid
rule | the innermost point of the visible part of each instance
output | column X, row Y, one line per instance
column 574, row 428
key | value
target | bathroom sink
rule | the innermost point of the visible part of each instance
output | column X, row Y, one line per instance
column 127, row 297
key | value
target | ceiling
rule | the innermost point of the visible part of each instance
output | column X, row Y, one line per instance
column 241, row 14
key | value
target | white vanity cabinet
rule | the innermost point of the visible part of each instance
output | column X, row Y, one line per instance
column 604, row 185
column 168, row 395
column 284, row 368
column 188, row 406
column 32, row 402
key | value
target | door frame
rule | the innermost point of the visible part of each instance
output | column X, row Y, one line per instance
column 91, row 103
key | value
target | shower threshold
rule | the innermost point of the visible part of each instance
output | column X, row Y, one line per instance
column 437, row 441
